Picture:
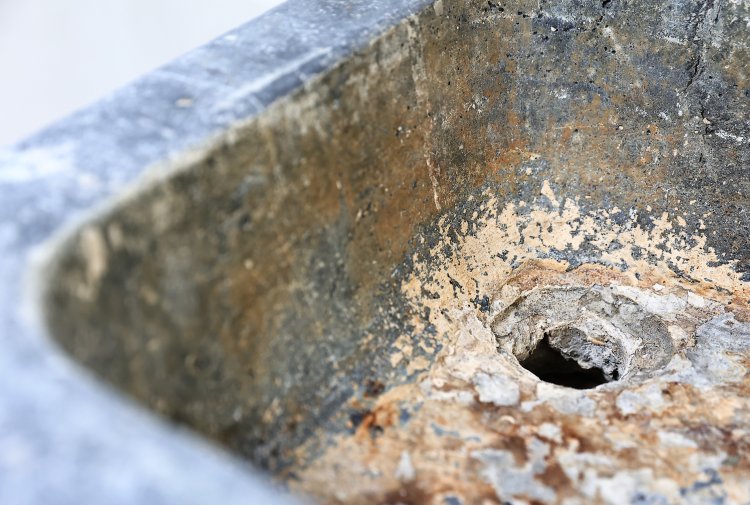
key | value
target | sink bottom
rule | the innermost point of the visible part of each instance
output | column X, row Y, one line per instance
column 475, row 425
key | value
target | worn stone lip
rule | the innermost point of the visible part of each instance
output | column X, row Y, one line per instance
column 64, row 438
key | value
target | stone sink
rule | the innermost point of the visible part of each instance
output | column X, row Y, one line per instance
column 409, row 252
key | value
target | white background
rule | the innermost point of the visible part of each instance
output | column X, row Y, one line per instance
column 59, row 55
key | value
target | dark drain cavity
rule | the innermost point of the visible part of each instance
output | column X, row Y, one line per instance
column 551, row 365
column 582, row 337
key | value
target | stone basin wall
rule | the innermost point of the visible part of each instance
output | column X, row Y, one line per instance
column 269, row 291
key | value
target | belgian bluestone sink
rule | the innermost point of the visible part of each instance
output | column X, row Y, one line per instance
column 392, row 252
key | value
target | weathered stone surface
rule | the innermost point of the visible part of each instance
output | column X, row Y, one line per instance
column 343, row 289
column 669, row 426
column 63, row 438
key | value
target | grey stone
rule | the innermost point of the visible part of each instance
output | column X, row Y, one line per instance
column 64, row 438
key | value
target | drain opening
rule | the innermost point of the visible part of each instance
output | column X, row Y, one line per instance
column 551, row 365
column 583, row 337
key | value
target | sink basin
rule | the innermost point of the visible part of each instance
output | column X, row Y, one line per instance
column 499, row 252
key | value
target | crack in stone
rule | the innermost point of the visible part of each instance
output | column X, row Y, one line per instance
column 702, row 33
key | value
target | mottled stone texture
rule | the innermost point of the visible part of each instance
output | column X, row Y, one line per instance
column 255, row 293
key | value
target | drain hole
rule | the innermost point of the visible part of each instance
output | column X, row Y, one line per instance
column 550, row 365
